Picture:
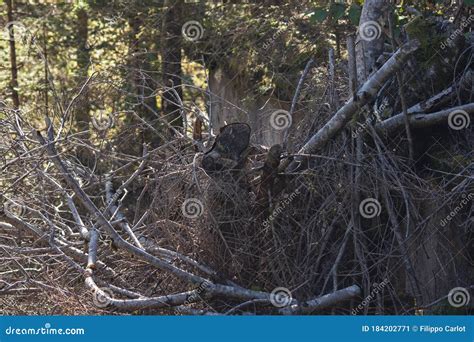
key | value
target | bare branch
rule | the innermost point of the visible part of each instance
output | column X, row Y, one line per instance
column 363, row 96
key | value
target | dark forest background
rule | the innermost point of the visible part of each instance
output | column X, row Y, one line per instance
column 219, row 157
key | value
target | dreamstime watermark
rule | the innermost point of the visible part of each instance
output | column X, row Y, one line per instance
column 114, row 198
column 370, row 30
column 102, row 122
column 192, row 30
column 465, row 23
column 192, row 208
column 281, row 297
column 46, row 330
column 101, row 297
column 369, row 208
column 115, row 19
column 369, row 119
column 281, row 206
column 466, row 199
column 272, row 39
column 458, row 119
column 458, row 296
column 280, row 119
column 15, row 31
column 377, row 288
column 203, row 287
column 13, row 208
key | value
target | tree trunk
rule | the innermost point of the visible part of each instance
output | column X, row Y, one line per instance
column 171, row 63
column 143, row 80
column 227, row 105
column 13, row 65
column 370, row 36
column 45, row 66
column 83, row 58
column 365, row 94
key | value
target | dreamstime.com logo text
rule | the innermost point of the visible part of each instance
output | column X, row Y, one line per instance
column 377, row 288
column 46, row 330
column 102, row 122
column 369, row 118
column 114, row 198
column 281, row 207
column 15, row 31
column 193, row 297
column 272, row 39
column 465, row 23
column 466, row 199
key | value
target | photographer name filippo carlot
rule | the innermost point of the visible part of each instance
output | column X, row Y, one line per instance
column 447, row 328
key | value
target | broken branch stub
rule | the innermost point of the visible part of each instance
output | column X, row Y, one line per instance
column 227, row 152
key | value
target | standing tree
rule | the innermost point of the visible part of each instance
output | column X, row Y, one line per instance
column 171, row 62
column 142, row 74
column 13, row 64
column 82, row 117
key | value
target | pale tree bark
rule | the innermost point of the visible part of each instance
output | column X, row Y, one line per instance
column 208, row 288
column 365, row 94
column 370, row 36
column 422, row 120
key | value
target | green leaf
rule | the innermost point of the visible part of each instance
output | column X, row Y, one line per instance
column 354, row 14
column 319, row 15
column 337, row 10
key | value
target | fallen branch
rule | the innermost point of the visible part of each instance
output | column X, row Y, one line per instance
column 102, row 221
column 141, row 303
column 115, row 212
column 366, row 93
column 324, row 301
column 296, row 96
column 394, row 123
column 211, row 288
column 438, row 100
column 93, row 244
